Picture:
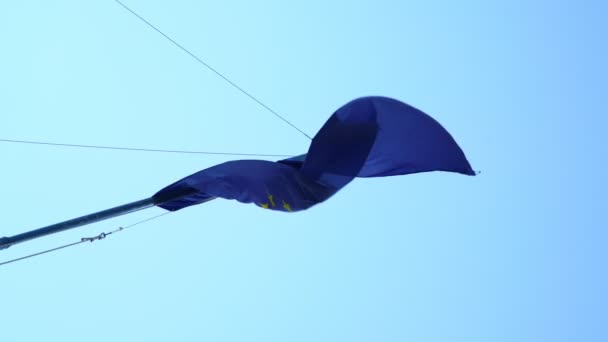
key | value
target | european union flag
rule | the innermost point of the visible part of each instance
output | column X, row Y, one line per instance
column 368, row 137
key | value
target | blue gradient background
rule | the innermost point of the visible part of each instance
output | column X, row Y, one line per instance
column 516, row 254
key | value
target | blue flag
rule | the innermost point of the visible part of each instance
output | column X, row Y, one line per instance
column 368, row 137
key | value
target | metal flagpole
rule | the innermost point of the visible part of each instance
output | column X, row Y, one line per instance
column 128, row 208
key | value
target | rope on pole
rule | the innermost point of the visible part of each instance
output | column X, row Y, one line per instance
column 84, row 239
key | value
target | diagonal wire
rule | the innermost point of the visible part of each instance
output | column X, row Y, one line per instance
column 43, row 252
column 140, row 149
column 83, row 240
column 213, row 69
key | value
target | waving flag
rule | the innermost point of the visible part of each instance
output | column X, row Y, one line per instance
column 368, row 137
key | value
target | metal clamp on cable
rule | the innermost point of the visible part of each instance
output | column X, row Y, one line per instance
column 94, row 238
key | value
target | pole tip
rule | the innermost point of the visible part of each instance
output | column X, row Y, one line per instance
column 4, row 243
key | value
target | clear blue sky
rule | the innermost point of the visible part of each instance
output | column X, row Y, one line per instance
column 516, row 254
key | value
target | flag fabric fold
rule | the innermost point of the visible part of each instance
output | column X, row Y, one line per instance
column 367, row 137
